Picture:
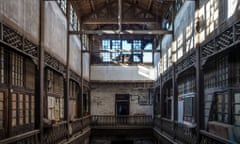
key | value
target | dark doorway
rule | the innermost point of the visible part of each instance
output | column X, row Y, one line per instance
column 122, row 104
column 122, row 142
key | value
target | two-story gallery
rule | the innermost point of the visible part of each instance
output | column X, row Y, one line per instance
column 119, row 71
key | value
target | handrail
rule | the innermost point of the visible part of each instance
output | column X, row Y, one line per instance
column 115, row 121
column 20, row 137
column 216, row 138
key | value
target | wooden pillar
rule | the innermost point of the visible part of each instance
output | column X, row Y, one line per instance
column 82, row 87
column 66, row 101
column 175, row 98
column 41, row 69
column 199, row 102
column 1, row 30
column 161, row 100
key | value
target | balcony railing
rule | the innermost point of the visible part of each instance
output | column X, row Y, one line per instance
column 79, row 124
column 28, row 137
column 121, row 121
column 209, row 138
column 55, row 133
column 176, row 131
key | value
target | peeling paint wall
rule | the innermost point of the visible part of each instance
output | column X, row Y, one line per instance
column 75, row 54
column 55, row 37
column 122, row 73
column 22, row 15
column 103, row 99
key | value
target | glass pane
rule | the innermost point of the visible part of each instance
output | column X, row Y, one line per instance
column 237, row 120
column 226, row 108
column 219, row 117
column 1, row 116
column 237, row 98
column 14, row 122
column 1, row 106
column 188, row 109
column 1, row 96
column 237, row 109
column 225, row 120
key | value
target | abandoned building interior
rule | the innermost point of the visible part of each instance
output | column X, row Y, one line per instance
column 119, row 71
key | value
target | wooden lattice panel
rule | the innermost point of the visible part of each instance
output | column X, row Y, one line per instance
column 186, row 62
column 30, row 48
column 54, row 63
column 237, row 31
column 224, row 40
column 12, row 38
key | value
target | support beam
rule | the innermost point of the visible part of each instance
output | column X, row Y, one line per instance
column 97, row 10
column 41, row 93
column 119, row 15
column 150, row 4
column 136, row 32
column 67, row 116
column 123, row 21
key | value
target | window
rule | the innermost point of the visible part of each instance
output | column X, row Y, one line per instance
column 73, row 95
column 147, row 56
column 86, row 102
column 126, row 51
column 17, row 69
column 168, row 102
column 186, row 97
column 221, row 113
column 116, row 47
column 2, row 65
column 14, row 110
column 1, row 110
column 236, row 111
column 217, row 76
column 55, row 95
column 30, row 74
column 188, row 108
column 21, row 99
column 106, row 48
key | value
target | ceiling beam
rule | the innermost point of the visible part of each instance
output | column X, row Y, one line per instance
column 123, row 21
column 97, row 10
column 150, row 4
column 142, row 9
column 133, row 32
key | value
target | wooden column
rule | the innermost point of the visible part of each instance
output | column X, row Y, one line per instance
column 199, row 82
column 41, row 69
column 82, row 87
column 161, row 100
column 66, row 101
column 175, row 97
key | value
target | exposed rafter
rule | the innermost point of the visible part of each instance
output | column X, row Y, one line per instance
column 134, row 32
column 97, row 10
column 124, row 21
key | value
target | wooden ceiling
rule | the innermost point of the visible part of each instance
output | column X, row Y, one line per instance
column 136, row 16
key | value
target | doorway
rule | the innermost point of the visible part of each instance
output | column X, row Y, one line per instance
column 122, row 104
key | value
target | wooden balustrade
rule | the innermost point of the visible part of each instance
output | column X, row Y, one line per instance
column 77, row 125
column 120, row 121
column 185, row 133
column 56, row 133
column 86, row 121
column 176, row 131
column 209, row 138
column 167, row 126
column 25, row 138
